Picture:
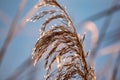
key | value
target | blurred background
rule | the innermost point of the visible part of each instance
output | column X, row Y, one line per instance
column 99, row 19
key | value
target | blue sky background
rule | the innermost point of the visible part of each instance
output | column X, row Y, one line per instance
column 21, row 45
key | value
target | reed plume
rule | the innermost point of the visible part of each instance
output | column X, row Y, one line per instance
column 61, row 44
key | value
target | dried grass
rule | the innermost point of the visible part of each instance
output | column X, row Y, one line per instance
column 66, row 46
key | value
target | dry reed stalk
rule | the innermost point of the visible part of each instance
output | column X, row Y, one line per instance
column 115, row 48
column 23, row 22
column 11, row 32
column 116, row 68
column 104, row 13
column 66, row 49
column 100, row 39
column 90, row 26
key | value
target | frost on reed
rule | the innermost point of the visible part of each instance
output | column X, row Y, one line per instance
column 61, row 44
